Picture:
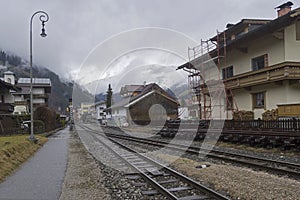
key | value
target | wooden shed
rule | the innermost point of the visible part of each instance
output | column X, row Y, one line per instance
column 152, row 104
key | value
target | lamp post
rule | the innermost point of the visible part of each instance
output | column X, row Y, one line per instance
column 43, row 18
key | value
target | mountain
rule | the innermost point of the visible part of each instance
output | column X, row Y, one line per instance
column 61, row 90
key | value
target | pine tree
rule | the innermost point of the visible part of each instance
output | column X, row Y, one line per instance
column 3, row 56
column 109, row 98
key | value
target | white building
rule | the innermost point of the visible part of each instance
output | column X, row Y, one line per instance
column 100, row 111
column 41, row 90
column 259, row 62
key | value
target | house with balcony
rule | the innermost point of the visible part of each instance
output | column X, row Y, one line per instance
column 258, row 67
column 41, row 89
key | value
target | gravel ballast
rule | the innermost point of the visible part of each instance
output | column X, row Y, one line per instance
column 240, row 183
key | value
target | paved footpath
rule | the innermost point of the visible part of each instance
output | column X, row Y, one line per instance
column 41, row 177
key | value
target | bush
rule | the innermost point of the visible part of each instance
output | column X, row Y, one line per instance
column 46, row 115
column 39, row 126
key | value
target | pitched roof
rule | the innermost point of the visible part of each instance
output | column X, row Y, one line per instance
column 131, row 88
column 121, row 103
column 263, row 28
column 8, row 86
column 9, row 73
column 145, row 91
column 239, row 27
column 148, row 90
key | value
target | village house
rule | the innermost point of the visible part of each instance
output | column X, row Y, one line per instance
column 17, row 92
column 41, row 88
column 258, row 62
column 140, row 100
column 7, row 88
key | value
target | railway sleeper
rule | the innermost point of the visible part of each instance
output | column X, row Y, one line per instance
column 227, row 138
column 274, row 142
column 260, row 141
column 155, row 192
column 290, row 143
column 241, row 138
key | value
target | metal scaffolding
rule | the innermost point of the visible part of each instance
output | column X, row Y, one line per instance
column 206, row 85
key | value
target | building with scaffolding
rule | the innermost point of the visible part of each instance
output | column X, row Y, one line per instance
column 253, row 65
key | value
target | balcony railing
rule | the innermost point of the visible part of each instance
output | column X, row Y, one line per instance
column 283, row 71
column 6, row 108
column 266, row 75
column 21, row 103
column 44, row 96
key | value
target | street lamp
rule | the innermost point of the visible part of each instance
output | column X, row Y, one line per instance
column 43, row 18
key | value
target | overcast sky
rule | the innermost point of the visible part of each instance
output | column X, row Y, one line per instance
column 77, row 27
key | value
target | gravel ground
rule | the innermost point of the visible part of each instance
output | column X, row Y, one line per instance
column 83, row 179
column 240, row 183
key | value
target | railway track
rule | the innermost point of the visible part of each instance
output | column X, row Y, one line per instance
column 275, row 166
column 165, row 181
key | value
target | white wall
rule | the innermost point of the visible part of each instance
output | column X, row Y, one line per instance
column 9, row 78
column 183, row 112
column 118, row 112
column 38, row 91
column 8, row 98
column 267, row 45
column 38, row 101
column 281, row 93
column 291, row 45
column 19, row 98
column 99, row 110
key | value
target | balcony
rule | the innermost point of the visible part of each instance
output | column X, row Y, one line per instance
column 6, row 108
column 280, row 72
column 21, row 103
column 43, row 96
column 285, row 71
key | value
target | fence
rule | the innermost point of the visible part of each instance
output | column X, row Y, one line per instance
column 14, row 124
column 284, row 125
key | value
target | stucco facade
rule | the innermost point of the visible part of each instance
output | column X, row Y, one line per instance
column 259, row 67
column 278, row 51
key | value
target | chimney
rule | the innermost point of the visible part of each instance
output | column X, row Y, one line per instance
column 284, row 8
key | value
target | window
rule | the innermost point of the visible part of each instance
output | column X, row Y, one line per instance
column 259, row 100
column 259, row 62
column 227, row 72
column 298, row 30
